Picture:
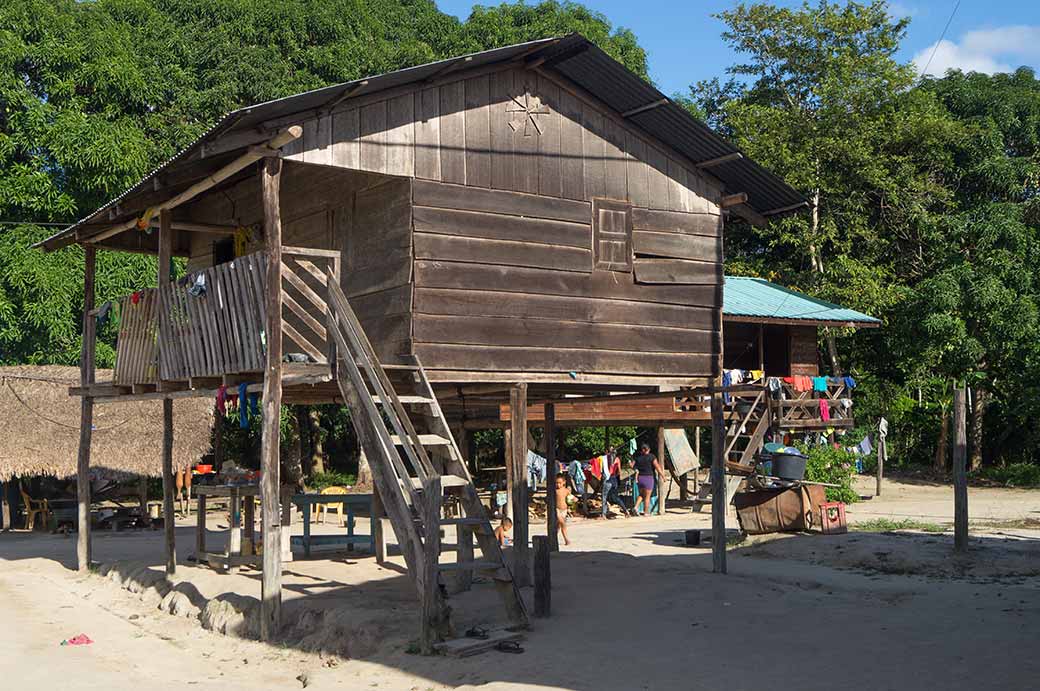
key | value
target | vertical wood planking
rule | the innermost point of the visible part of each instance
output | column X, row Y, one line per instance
column 317, row 140
column 571, row 147
column 678, row 199
column 657, row 167
column 550, row 182
column 400, row 136
column 593, row 148
column 501, row 86
column 614, row 163
column 525, row 136
column 478, row 131
column 372, row 120
column 453, row 133
column 346, row 134
column 638, row 171
column 427, row 134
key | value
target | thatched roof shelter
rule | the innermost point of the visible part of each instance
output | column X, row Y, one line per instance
column 39, row 427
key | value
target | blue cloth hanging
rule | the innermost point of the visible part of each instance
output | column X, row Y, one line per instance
column 254, row 403
column 243, row 407
column 727, row 381
column 819, row 383
column 850, row 383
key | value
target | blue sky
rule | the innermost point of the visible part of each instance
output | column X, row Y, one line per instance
column 682, row 38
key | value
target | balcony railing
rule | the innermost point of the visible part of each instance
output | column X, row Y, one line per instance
column 213, row 322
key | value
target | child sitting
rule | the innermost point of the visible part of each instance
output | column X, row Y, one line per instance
column 504, row 532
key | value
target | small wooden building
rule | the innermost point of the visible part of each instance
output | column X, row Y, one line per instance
column 523, row 223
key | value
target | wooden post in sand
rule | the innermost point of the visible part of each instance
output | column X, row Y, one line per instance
column 551, row 522
column 169, row 514
column 86, row 411
column 718, row 486
column 271, row 582
column 662, row 494
column 960, row 476
column 518, row 461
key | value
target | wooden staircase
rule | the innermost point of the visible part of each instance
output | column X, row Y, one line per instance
column 750, row 420
column 416, row 472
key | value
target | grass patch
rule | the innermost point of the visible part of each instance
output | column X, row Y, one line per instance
column 320, row 481
column 885, row 525
column 1023, row 475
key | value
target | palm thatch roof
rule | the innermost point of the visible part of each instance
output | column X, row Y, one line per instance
column 39, row 427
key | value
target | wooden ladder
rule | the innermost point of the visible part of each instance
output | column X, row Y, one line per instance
column 414, row 472
column 745, row 436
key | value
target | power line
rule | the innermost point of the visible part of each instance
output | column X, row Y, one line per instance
column 941, row 37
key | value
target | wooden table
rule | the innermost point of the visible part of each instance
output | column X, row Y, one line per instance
column 232, row 557
column 349, row 503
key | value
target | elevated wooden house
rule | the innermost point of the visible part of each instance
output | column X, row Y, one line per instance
column 518, row 224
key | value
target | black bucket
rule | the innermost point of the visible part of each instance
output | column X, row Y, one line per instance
column 789, row 465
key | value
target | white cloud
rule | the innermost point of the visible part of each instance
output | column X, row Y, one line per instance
column 900, row 10
column 999, row 49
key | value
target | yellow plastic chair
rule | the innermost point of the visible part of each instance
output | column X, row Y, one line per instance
column 322, row 509
column 34, row 507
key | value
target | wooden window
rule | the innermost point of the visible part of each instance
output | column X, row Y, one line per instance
column 612, row 235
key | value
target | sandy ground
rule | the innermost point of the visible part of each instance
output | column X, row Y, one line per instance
column 632, row 609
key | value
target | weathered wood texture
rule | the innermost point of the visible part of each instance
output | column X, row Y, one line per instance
column 719, row 498
column 506, row 281
column 375, row 237
column 512, row 130
column 804, row 360
column 86, row 420
column 960, row 473
column 271, row 578
column 519, row 490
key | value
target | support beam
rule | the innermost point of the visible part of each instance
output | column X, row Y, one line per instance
column 169, row 513
column 662, row 495
column 271, row 584
column 719, row 160
column 551, row 520
column 750, row 215
column 86, row 414
column 731, row 200
column 645, row 107
column 518, row 460
column 432, row 496
column 719, row 497
column 960, row 476
column 222, row 174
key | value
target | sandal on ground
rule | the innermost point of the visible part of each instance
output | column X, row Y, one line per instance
column 509, row 647
column 478, row 633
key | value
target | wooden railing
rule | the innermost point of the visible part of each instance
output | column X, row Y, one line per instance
column 801, row 409
column 137, row 349
column 212, row 322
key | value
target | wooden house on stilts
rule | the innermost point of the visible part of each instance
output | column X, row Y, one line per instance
column 521, row 224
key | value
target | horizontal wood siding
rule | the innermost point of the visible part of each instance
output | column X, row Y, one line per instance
column 504, row 282
column 377, row 276
column 514, row 130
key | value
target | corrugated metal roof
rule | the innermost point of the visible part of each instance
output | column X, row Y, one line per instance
column 573, row 57
column 757, row 297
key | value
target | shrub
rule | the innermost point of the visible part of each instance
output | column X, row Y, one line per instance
column 320, row 481
column 1014, row 474
column 833, row 466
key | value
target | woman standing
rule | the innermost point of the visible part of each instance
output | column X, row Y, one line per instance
column 647, row 466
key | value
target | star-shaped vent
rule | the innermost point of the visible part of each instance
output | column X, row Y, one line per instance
column 525, row 109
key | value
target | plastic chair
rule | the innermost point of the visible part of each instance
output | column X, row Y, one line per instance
column 33, row 507
column 322, row 509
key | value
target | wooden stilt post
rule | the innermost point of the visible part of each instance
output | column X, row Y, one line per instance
column 507, row 441
column 697, row 452
column 551, row 521
column 662, row 494
column 718, row 486
column 882, row 451
column 960, row 476
column 542, row 576
column 5, row 507
column 86, row 411
column 142, row 496
column 271, row 583
column 378, row 518
column 518, row 434
column 431, row 560
column 169, row 513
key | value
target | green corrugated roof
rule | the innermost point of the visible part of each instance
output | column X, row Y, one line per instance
column 757, row 297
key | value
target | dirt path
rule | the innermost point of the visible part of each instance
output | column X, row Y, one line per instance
column 632, row 609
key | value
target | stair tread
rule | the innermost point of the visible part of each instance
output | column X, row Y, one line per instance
column 463, row 521
column 405, row 399
column 479, row 565
column 425, row 440
column 446, row 481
